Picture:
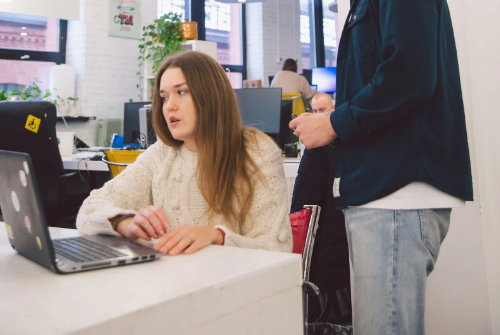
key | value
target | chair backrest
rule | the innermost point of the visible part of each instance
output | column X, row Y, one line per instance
column 118, row 160
column 298, row 102
column 304, row 225
column 30, row 127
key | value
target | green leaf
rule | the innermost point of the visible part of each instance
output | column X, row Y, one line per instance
column 149, row 43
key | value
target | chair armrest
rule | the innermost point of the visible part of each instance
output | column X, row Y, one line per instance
column 310, row 288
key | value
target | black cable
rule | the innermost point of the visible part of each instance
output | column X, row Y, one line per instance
column 86, row 167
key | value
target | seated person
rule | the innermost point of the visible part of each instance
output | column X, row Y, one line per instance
column 330, row 258
column 207, row 181
column 322, row 103
column 291, row 82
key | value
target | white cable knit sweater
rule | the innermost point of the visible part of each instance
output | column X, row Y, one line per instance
column 166, row 177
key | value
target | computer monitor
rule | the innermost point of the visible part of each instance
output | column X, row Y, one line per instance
column 314, row 87
column 131, row 126
column 260, row 108
column 308, row 75
column 270, row 80
column 147, row 135
column 325, row 78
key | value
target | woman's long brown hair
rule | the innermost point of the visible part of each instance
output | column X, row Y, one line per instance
column 224, row 166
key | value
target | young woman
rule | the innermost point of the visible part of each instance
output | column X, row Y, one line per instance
column 207, row 181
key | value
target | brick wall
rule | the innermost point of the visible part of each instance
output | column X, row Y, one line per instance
column 106, row 66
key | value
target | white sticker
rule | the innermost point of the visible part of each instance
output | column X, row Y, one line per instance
column 26, row 168
column 336, row 188
column 15, row 201
column 27, row 223
column 22, row 176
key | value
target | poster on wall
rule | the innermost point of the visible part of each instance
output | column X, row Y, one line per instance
column 125, row 18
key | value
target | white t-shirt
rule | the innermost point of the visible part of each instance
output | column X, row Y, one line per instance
column 416, row 195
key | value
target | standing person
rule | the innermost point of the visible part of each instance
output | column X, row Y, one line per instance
column 322, row 103
column 403, row 158
column 208, row 180
column 290, row 81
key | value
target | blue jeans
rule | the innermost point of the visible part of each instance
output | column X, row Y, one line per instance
column 392, row 252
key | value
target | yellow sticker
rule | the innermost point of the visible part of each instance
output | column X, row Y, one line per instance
column 32, row 123
column 39, row 242
column 9, row 231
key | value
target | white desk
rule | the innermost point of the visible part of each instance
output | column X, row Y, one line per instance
column 76, row 162
column 218, row 290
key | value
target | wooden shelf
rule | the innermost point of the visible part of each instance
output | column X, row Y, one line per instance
column 77, row 118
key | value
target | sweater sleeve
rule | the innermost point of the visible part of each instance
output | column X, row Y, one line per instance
column 267, row 226
column 124, row 194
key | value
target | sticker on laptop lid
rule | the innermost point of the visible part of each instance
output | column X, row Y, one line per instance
column 26, row 168
column 10, row 234
column 15, row 201
column 39, row 242
column 27, row 223
column 22, row 176
column 33, row 123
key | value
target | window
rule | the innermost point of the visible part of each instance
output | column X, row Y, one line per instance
column 330, row 36
column 220, row 23
column 174, row 6
column 29, row 46
column 307, row 39
column 223, row 25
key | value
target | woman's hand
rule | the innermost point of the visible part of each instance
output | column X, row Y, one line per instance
column 188, row 239
column 149, row 222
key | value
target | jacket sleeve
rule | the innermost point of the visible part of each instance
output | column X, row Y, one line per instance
column 406, row 77
column 267, row 226
column 124, row 194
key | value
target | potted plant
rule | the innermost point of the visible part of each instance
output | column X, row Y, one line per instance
column 73, row 111
column 3, row 96
column 159, row 40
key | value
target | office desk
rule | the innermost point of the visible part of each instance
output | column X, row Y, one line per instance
column 77, row 162
column 218, row 290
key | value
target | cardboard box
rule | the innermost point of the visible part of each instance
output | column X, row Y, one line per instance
column 252, row 83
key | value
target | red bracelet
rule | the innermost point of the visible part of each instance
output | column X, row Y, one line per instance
column 223, row 235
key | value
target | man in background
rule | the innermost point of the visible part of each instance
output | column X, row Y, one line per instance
column 322, row 103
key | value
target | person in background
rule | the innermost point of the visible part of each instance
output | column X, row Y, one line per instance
column 330, row 258
column 322, row 103
column 291, row 82
column 402, row 156
column 208, row 180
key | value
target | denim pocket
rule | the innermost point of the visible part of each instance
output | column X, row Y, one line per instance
column 434, row 224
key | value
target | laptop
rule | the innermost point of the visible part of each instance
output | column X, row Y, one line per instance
column 29, row 234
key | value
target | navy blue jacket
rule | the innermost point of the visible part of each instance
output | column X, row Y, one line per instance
column 313, row 186
column 400, row 115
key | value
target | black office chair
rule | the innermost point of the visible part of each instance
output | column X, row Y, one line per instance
column 62, row 193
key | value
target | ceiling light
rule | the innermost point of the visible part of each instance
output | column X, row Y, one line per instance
column 24, row 34
column 23, row 27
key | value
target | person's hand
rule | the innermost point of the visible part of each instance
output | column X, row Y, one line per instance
column 188, row 239
column 314, row 130
column 149, row 222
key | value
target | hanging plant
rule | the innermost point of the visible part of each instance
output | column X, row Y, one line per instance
column 159, row 40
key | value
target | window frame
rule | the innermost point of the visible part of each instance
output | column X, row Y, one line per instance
column 58, row 57
column 197, row 11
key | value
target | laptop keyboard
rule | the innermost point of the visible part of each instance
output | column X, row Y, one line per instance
column 80, row 249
